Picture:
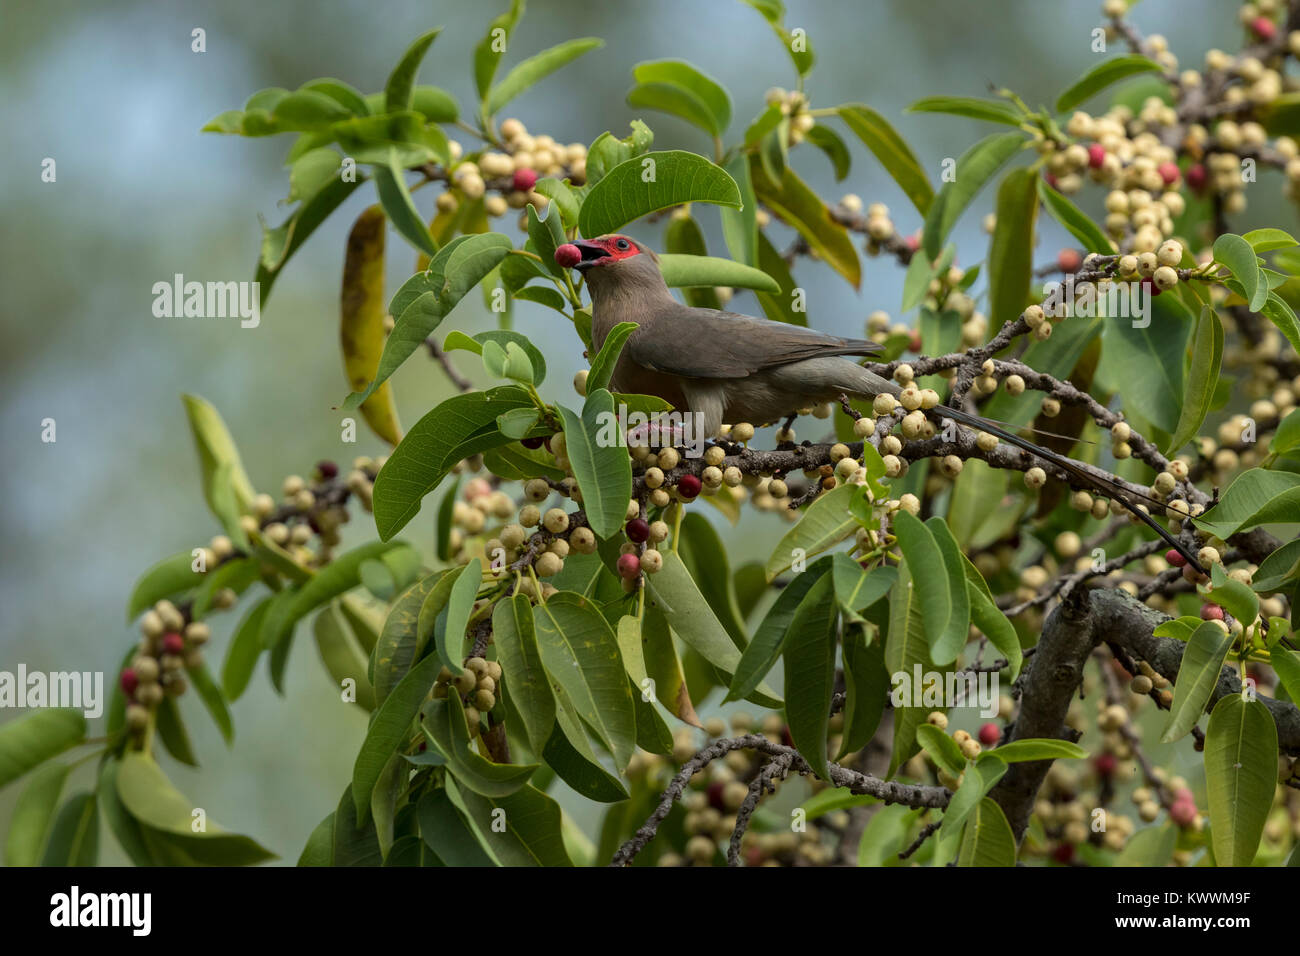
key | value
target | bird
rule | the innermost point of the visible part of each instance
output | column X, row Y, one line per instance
column 729, row 367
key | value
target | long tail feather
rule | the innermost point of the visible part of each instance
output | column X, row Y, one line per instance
column 1104, row 485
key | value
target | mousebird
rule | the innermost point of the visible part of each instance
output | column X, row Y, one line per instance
column 728, row 367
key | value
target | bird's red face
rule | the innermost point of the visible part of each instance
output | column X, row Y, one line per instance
column 605, row 251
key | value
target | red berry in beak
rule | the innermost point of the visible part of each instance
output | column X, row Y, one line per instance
column 129, row 681
column 525, row 179
column 688, row 486
column 173, row 644
column 638, row 529
column 568, row 255
column 629, row 566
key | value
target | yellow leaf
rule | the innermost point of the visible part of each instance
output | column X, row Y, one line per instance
column 362, row 329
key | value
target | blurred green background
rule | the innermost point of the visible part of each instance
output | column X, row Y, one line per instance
column 114, row 94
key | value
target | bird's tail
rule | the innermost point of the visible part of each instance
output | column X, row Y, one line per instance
column 1101, row 483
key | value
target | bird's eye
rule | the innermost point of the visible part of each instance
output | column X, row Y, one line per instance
column 623, row 244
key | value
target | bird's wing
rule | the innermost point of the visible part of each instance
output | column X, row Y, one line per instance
column 707, row 343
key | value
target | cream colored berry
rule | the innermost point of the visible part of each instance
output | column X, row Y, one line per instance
column 986, row 442
column 555, row 520
column 864, row 427
column 883, row 403
column 548, row 564
column 742, row 431
column 1035, row 477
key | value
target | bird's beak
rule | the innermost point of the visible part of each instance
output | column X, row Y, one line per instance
column 591, row 254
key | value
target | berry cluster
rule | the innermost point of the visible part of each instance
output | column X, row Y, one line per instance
column 476, row 686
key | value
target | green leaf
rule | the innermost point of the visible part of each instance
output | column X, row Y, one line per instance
column 244, row 650
column 866, row 685
column 353, row 844
column 397, row 93
column 1266, row 240
column 463, row 424
column 1075, row 222
column 602, row 366
column 124, row 827
column 1038, row 748
column 988, row 617
column 894, row 154
column 943, row 750
column 450, row 641
column 829, row 142
column 1202, row 378
column 1102, row 76
column 979, row 779
column 1234, row 597
column 33, row 815
column 307, row 110
column 856, row 587
column 1235, row 254
column 1148, row 361
column 522, row 828
column 569, row 754
column 213, row 701
column 801, row 52
column 173, row 733
column 1287, row 437
column 1255, row 497
column 906, row 650
column 957, row 629
column 280, row 243
column 447, row 832
column 1010, row 262
column 597, row 452
column 692, row 619
column 223, row 472
column 802, row 209
column 648, row 183
column 580, row 653
column 1241, row 777
column 934, row 591
column 536, row 68
column 988, row 840
column 341, row 656
column 35, row 737
column 994, row 111
column 1287, row 665
column 1198, row 674
column 675, row 100
column 74, row 838
column 769, row 638
column 712, row 99
column 395, row 197
column 685, row 271
column 824, row 524
column 515, row 637
column 809, row 657
column 390, row 728
column 487, row 56
column 1152, row 846
column 168, row 578
column 445, row 725
column 167, row 817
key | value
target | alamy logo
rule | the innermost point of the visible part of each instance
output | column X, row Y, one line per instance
column 658, row 430
column 211, row 300
column 79, row 690
column 1118, row 300
column 934, row 690
column 74, row 909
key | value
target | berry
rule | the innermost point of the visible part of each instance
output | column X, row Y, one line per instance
column 1197, row 176
column 990, row 734
column 1175, row 558
column 629, row 566
column 638, row 530
column 532, row 443
column 327, row 469
column 524, row 180
column 567, row 255
column 913, row 242
column 688, row 486
column 914, row 343
column 1183, row 812
column 130, row 680
column 1069, row 260
column 1063, row 853
column 1168, row 172
column 173, row 643
column 1105, row 764
column 714, row 793
column 1211, row 612
column 1264, row 28
column 1096, row 155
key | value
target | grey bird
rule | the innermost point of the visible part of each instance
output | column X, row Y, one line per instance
column 729, row 367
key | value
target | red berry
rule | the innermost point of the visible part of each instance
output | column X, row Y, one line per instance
column 914, row 343
column 1096, row 155
column 173, row 643
column 531, row 442
column 1183, row 812
column 1211, row 612
column 638, row 529
column 1105, row 764
column 568, row 255
column 990, row 734
column 1063, row 853
column 1150, row 288
column 1168, row 172
column 130, row 681
column 525, row 179
column 913, row 242
column 1069, row 260
column 1183, row 795
column 1197, row 177
column 688, row 486
column 629, row 566
column 1264, row 28
column 785, row 736
column 1175, row 558
column 1051, row 179
column 714, row 792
